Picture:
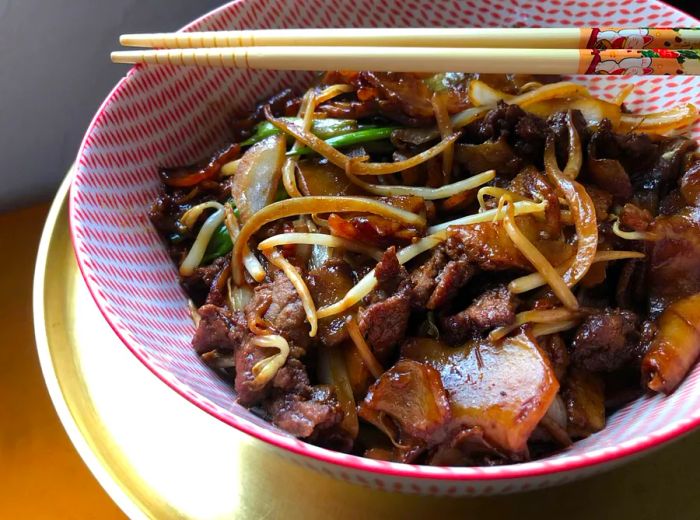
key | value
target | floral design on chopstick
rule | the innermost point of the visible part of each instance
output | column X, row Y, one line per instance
column 636, row 62
column 604, row 38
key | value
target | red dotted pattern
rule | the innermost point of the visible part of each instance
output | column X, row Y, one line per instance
column 166, row 116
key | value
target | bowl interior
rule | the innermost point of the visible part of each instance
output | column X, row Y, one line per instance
column 165, row 116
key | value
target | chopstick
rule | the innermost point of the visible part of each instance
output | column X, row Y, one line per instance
column 527, row 38
column 429, row 59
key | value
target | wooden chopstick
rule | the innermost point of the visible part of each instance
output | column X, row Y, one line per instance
column 429, row 59
column 528, row 38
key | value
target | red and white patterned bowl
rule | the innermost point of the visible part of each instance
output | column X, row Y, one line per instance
column 163, row 116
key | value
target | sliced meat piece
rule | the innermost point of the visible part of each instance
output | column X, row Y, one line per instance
column 424, row 277
column 690, row 184
column 674, row 259
column 436, row 281
column 200, row 283
column 219, row 329
column 494, row 308
column 384, row 323
column 635, row 218
column 606, row 341
column 302, row 416
column 247, row 356
column 278, row 304
column 487, row 245
column 583, row 394
column 602, row 201
column 448, row 283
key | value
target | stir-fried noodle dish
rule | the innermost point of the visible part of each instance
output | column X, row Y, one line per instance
column 442, row 269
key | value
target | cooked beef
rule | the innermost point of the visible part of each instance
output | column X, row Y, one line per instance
column 278, row 304
column 494, row 308
column 305, row 415
column 674, row 259
column 557, row 124
column 556, row 350
column 248, row 390
column 436, row 282
column 690, row 184
column 635, row 218
column 602, row 201
column 201, row 282
column 219, row 329
column 606, row 341
column 533, row 185
column 384, row 321
column 501, row 121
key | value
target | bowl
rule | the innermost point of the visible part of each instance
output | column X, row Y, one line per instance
column 166, row 115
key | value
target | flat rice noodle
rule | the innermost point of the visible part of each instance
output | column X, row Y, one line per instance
column 504, row 388
column 328, row 284
column 358, row 374
column 675, row 347
column 496, row 155
column 334, row 372
column 411, row 394
column 258, row 175
column 585, row 403
column 320, row 177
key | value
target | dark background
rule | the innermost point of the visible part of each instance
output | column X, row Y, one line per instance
column 55, row 71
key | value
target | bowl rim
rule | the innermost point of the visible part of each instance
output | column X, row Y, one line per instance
column 597, row 458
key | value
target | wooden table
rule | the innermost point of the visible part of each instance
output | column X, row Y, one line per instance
column 41, row 475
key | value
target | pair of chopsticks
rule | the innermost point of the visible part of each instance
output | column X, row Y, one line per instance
column 495, row 50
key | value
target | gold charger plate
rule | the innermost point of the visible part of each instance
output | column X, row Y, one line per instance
column 158, row 456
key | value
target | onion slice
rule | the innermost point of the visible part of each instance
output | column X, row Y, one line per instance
column 320, row 239
column 482, row 94
column 311, row 205
column 580, row 205
column 659, row 122
column 536, row 258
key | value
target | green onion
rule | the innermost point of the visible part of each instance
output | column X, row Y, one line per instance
column 323, row 128
column 365, row 135
column 219, row 245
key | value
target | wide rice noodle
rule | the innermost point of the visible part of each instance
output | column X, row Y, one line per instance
column 307, row 206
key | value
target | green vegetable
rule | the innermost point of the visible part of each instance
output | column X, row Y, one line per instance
column 323, row 128
column 365, row 135
column 219, row 245
column 447, row 80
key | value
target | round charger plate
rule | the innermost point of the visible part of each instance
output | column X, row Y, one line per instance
column 159, row 456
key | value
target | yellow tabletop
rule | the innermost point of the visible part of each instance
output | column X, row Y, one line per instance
column 41, row 475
